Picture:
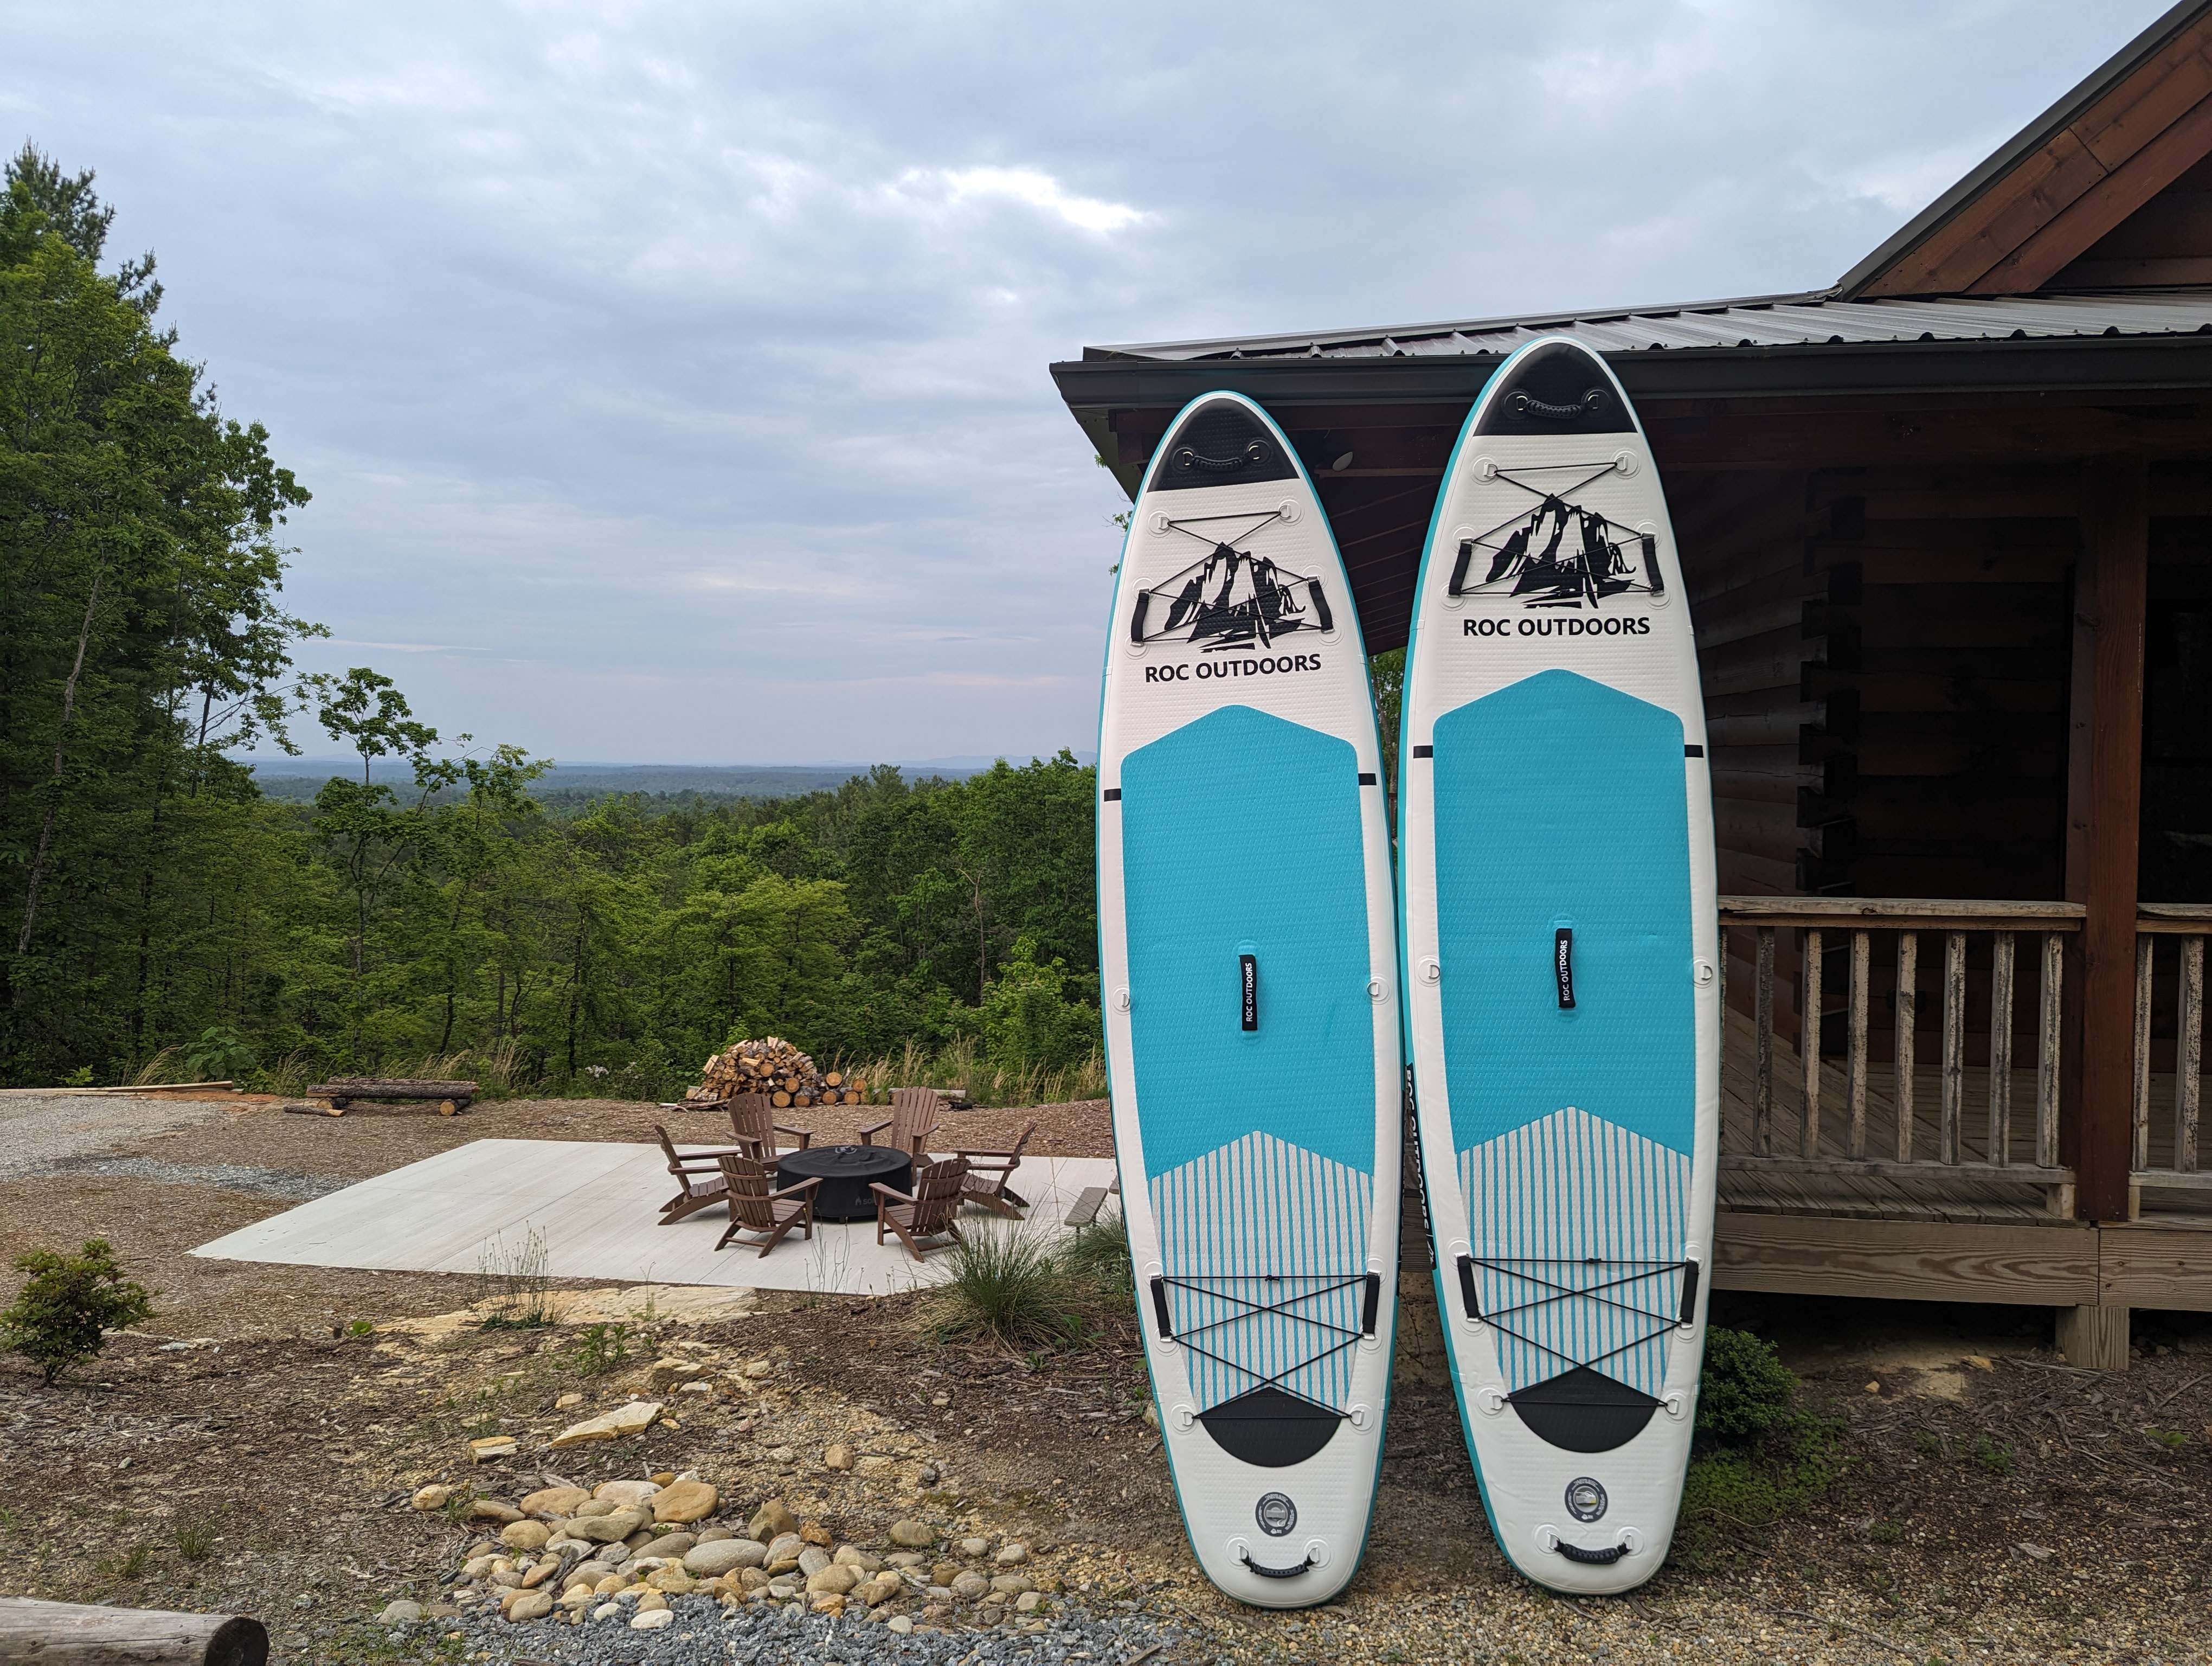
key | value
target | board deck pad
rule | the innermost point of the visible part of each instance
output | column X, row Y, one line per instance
column 1560, row 937
column 1247, row 951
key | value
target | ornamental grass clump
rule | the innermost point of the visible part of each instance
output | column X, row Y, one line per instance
column 61, row 1316
column 1100, row 1255
column 1007, row 1284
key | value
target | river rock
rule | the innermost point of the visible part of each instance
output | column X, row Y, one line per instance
column 914, row 1536
column 831, row 1581
column 488, row 1447
column 525, row 1535
column 491, row 1510
column 433, row 1498
column 881, row 1588
column 722, row 1556
column 652, row 1620
column 709, row 1535
column 1028, row 1601
column 673, row 1579
column 756, row 1369
column 1013, row 1585
column 551, row 1503
column 672, row 1547
column 593, row 1507
column 1012, row 1554
column 975, row 1547
column 854, row 1556
column 815, row 1533
column 685, row 1502
column 770, row 1521
column 970, row 1586
column 626, row 1493
column 812, row 1561
column 531, row 1605
column 400, row 1613
column 900, row 1623
column 633, row 1418
column 607, row 1529
column 838, row 1456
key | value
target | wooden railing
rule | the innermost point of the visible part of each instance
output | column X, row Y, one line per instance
column 2183, row 925
column 1843, row 1114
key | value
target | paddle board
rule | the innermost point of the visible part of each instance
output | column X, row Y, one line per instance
column 1248, row 962
column 1561, row 968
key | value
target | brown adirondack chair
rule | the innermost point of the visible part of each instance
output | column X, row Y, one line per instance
column 923, row 1217
column 756, row 1206
column 912, row 1121
column 752, row 1120
column 698, row 1173
column 986, row 1180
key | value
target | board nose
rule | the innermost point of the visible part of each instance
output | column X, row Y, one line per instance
column 1221, row 443
column 1554, row 389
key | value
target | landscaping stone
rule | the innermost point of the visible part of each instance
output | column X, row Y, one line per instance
column 758, row 1368
column 400, row 1613
column 815, row 1534
column 1028, row 1601
column 772, row 1520
column 531, row 1605
column 553, row 1502
column 854, row 1556
column 1013, row 1554
column 652, row 1620
column 916, row 1535
column 433, row 1498
column 491, row 1510
column 633, row 1418
column 812, row 1561
column 832, row 1580
column 968, row 1586
column 483, row 1450
column 725, row 1556
column 838, row 1456
column 525, row 1535
column 672, row 1547
column 626, row 1493
column 684, row 1502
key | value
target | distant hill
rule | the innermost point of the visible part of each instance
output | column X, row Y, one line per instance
column 301, row 778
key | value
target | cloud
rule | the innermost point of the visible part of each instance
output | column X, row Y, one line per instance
column 687, row 363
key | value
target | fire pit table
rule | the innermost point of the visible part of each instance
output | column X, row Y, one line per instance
column 846, row 1173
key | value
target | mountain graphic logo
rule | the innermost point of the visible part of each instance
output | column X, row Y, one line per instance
column 1230, row 599
column 1561, row 555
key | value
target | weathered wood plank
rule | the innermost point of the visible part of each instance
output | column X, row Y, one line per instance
column 1908, row 1015
column 1855, row 1067
column 1923, row 913
column 2048, row 1042
column 75, row 1634
column 1809, row 1047
column 2146, row 1266
column 1883, row 1169
column 2054, row 1265
column 1762, row 1080
column 2189, row 1061
column 2139, row 1089
column 1953, row 1077
column 2000, row 979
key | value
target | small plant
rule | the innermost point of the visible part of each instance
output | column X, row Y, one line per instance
column 2173, row 1439
column 1995, row 1456
column 220, row 1054
column 1885, row 1532
column 129, row 1566
column 1007, row 1285
column 82, row 1076
column 1099, row 1255
column 1928, row 1443
column 61, row 1316
column 456, row 1508
column 600, row 1350
column 362, row 1327
column 1746, row 1392
column 195, row 1540
column 513, row 1289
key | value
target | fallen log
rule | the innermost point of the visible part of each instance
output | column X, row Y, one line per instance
column 72, row 1634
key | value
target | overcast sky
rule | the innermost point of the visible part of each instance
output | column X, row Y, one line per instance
column 670, row 378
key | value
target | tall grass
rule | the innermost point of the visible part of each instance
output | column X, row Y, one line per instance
column 960, row 1063
column 1099, row 1255
column 513, row 1291
column 158, row 1068
column 1006, row 1284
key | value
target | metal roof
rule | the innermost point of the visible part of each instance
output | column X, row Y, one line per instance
column 1794, row 320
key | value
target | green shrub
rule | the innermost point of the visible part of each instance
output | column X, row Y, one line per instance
column 1029, row 1022
column 61, row 1316
column 1746, row 1392
column 1006, row 1284
column 220, row 1054
column 601, row 1349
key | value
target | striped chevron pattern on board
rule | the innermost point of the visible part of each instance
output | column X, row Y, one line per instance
column 1571, row 1203
column 1264, row 1224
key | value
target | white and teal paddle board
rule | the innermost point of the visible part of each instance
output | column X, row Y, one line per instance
column 1248, row 962
column 1561, row 968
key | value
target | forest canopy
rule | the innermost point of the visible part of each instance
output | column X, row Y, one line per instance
column 157, row 908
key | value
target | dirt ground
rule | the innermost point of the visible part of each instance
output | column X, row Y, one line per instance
column 1994, row 1504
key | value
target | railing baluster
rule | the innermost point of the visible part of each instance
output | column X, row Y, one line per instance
column 1908, row 966
column 1954, row 1043
column 1855, row 1088
column 1808, row 1048
column 2142, row 1158
column 2046, row 1051
column 2001, row 968
column 2188, row 1055
column 1762, row 1042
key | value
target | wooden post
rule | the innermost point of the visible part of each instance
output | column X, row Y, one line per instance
column 2103, row 790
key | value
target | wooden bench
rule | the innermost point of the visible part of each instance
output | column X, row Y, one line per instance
column 1088, row 1202
column 340, row 1091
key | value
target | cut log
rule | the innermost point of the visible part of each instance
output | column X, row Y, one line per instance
column 835, row 1079
column 780, row 1099
column 71, row 1634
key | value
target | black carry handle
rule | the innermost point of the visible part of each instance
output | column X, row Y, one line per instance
column 1467, row 1287
column 1266, row 1572
column 1160, row 1307
column 1137, row 619
column 1373, row 1306
column 1459, row 566
column 1325, row 619
column 1248, row 987
column 1563, row 964
column 1689, row 1293
column 1651, row 565
column 1605, row 1558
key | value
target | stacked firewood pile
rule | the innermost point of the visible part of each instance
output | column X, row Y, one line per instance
column 773, row 1067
